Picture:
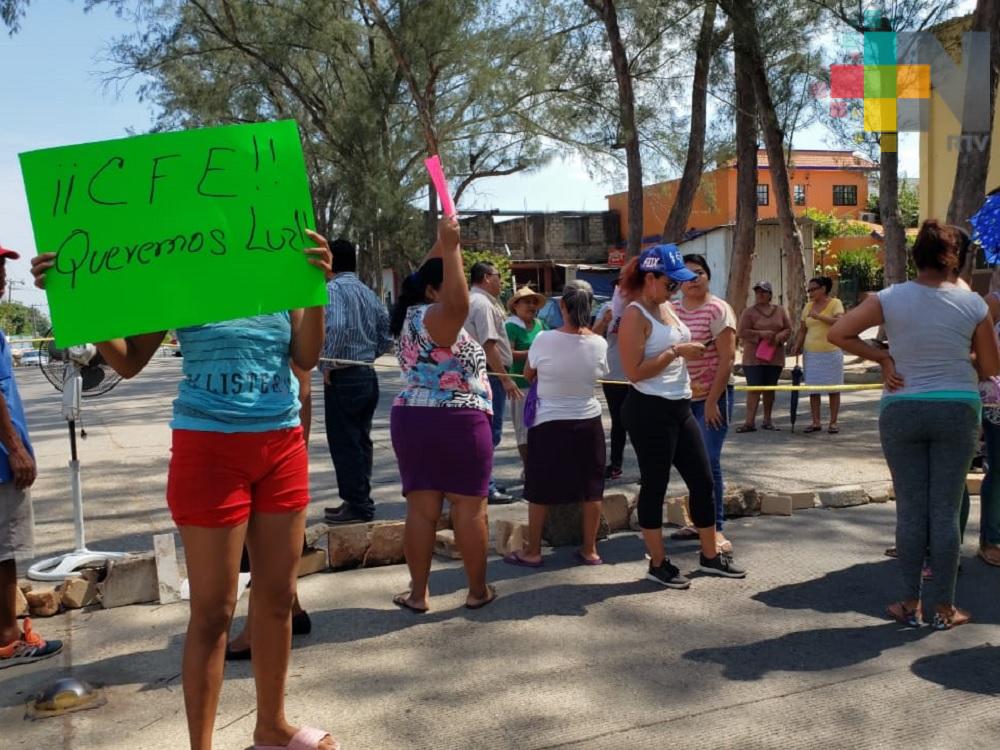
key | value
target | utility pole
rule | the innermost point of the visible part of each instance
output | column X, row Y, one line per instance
column 11, row 285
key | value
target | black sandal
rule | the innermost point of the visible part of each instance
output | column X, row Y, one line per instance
column 400, row 600
column 491, row 596
column 746, row 428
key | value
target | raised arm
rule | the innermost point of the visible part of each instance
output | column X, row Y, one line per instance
column 444, row 318
column 308, row 323
column 128, row 356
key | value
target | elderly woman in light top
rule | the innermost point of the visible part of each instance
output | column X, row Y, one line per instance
column 929, row 421
column 566, row 449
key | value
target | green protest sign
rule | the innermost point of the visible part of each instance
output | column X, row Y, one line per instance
column 173, row 229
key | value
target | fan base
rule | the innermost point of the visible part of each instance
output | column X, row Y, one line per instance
column 68, row 565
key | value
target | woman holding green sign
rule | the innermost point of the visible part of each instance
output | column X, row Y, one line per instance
column 238, row 472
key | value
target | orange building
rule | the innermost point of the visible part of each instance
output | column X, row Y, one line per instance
column 831, row 181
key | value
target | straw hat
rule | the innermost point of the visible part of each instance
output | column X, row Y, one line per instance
column 523, row 293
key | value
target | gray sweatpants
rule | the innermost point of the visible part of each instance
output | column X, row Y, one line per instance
column 928, row 446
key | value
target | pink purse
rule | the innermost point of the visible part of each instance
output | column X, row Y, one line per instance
column 766, row 350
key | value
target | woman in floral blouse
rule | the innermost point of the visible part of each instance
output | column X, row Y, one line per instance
column 440, row 423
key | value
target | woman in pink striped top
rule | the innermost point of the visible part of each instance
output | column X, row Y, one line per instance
column 713, row 323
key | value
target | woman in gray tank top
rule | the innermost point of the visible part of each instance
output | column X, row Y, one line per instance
column 930, row 411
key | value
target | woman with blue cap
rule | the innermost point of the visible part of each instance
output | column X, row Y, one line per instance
column 654, row 346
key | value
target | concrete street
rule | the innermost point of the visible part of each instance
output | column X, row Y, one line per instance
column 798, row 655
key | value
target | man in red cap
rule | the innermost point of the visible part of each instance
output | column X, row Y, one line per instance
column 17, row 474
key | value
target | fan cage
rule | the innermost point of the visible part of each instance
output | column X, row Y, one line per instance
column 98, row 376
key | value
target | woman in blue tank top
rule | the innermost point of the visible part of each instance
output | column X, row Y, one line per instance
column 238, row 473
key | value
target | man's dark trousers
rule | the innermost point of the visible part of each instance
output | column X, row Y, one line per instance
column 349, row 401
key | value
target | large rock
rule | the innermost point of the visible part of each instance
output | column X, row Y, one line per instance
column 168, row 574
column 882, row 493
column 445, row 545
column 313, row 560
column 804, row 500
column 776, row 505
column 43, row 603
column 563, row 525
column 316, row 532
column 508, row 536
column 676, row 511
column 845, row 496
column 77, row 593
column 615, row 509
column 129, row 580
column 741, row 501
column 974, row 483
column 386, row 544
column 346, row 545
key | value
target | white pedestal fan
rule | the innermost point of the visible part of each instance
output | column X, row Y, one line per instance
column 78, row 372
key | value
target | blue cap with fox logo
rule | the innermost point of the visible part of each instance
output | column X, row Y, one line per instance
column 666, row 259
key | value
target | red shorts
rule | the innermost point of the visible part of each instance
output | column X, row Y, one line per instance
column 218, row 479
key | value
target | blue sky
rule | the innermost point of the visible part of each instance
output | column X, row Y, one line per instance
column 52, row 94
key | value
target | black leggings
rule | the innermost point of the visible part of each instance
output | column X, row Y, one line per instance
column 615, row 394
column 664, row 433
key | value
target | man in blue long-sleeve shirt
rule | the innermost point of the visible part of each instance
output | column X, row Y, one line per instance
column 357, row 330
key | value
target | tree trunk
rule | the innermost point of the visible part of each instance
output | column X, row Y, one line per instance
column 431, row 217
column 608, row 13
column 969, row 191
column 676, row 225
column 892, row 223
column 746, row 36
column 745, row 235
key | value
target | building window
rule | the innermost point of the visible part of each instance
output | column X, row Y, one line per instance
column 763, row 195
column 845, row 195
column 575, row 230
column 800, row 195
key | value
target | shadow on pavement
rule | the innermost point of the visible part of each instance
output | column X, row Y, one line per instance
column 807, row 650
column 868, row 588
column 972, row 670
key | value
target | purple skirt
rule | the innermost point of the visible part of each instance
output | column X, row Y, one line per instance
column 565, row 462
column 443, row 449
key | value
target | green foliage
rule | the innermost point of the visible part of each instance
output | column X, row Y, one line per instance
column 497, row 259
column 19, row 320
column 863, row 266
column 909, row 204
column 827, row 226
column 375, row 86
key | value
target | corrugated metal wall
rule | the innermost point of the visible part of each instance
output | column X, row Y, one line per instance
column 768, row 264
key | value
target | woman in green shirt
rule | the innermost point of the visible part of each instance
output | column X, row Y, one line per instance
column 522, row 327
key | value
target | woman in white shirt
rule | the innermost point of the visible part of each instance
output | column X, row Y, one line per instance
column 655, row 346
column 566, row 451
